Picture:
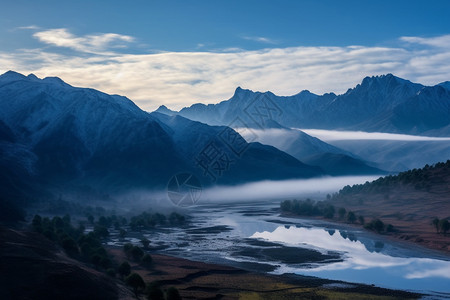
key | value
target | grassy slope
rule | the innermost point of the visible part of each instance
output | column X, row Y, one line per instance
column 409, row 201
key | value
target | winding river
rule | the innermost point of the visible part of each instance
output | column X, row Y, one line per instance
column 255, row 237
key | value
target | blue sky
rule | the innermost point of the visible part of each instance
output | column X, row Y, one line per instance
column 180, row 52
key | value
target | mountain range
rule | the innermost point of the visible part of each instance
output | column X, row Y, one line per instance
column 82, row 140
column 59, row 139
column 383, row 103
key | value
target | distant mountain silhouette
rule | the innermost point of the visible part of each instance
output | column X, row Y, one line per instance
column 380, row 103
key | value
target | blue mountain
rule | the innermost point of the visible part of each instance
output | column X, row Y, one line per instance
column 83, row 140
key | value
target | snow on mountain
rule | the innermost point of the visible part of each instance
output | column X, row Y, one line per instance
column 267, row 162
column 83, row 137
column 378, row 104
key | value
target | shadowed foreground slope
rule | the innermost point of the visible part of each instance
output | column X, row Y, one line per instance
column 32, row 267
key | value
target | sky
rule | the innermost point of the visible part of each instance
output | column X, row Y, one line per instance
column 178, row 53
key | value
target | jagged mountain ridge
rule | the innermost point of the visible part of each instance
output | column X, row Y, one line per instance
column 380, row 103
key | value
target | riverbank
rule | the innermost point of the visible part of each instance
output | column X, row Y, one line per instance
column 198, row 280
column 405, row 233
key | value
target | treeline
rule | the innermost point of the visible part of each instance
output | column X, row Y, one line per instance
column 419, row 178
column 325, row 209
column 148, row 220
column 88, row 247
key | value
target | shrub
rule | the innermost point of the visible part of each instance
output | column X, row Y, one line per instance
column 136, row 282
column 147, row 260
column 351, row 217
column 70, row 246
column 172, row 294
column 124, row 269
column 101, row 231
column 137, row 253
column 145, row 242
column 154, row 291
column 390, row 228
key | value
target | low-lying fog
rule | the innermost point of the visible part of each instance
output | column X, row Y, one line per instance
column 387, row 151
column 316, row 188
column 335, row 135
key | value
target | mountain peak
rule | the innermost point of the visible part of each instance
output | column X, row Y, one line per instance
column 33, row 77
column 55, row 80
column 241, row 92
column 164, row 110
column 379, row 79
column 12, row 76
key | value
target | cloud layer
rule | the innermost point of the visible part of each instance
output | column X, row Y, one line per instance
column 179, row 79
column 334, row 135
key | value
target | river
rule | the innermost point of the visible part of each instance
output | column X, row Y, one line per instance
column 255, row 237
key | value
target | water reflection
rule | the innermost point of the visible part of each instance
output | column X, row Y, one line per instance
column 365, row 262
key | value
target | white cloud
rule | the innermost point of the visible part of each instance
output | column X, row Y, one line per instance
column 179, row 79
column 260, row 39
column 90, row 43
column 30, row 27
column 439, row 41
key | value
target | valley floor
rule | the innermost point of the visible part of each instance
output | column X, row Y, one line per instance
column 197, row 280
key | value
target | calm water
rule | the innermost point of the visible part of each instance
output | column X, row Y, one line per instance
column 253, row 236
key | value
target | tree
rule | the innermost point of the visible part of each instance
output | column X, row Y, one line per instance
column 436, row 224
column 124, row 269
column 361, row 220
column 172, row 294
column 137, row 253
column 351, row 217
column 90, row 219
column 101, row 231
column 444, row 224
column 37, row 223
column 390, row 228
column 96, row 260
column 70, row 246
column 127, row 248
column 329, row 212
column 378, row 225
column 342, row 211
column 145, row 242
column 136, row 282
column 147, row 260
column 154, row 292
column 286, row 205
